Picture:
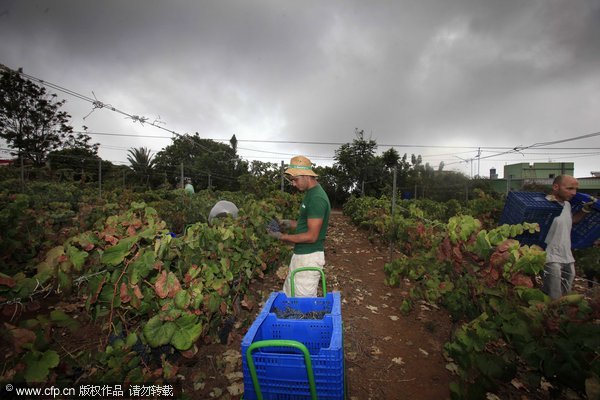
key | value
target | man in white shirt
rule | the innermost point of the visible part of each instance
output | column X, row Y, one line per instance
column 559, row 270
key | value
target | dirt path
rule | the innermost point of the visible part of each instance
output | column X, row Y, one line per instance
column 388, row 355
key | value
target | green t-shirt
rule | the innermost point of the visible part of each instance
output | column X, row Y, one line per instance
column 315, row 204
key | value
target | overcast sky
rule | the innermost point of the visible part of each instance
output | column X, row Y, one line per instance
column 437, row 78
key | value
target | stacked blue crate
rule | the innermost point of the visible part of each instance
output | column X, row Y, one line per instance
column 534, row 207
column 530, row 207
column 281, row 371
column 586, row 232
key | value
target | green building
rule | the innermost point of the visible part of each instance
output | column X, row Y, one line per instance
column 539, row 177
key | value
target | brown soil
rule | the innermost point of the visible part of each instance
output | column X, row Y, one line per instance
column 388, row 355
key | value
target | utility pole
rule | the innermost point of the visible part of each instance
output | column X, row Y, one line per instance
column 182, row 175
column 394, row 193
column 22, row 173
column 478, row 160
column 282, row 175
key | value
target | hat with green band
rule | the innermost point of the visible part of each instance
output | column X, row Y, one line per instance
column 300, row 165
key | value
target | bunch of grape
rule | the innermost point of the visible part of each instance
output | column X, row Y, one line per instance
column 273, row 226
column 290, row 313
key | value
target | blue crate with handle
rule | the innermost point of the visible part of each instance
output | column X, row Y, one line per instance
column 534, row 207
column 296, row 358
column 293, row 358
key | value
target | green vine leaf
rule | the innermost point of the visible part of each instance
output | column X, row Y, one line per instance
column 158, row 333
column 115, row 255
column 182, row 299
column 65, row 281
column 77, row 257
column 482, row 246
column 141, row 267
column 62, row 319
column 131, row 340
column 188, row 331
column 39, row 365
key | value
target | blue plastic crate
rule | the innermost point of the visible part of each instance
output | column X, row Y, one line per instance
column 587, row 231
column 281, row 371
column 530, row 207
column 580, row 198
column 533, row 207
column 330, row 304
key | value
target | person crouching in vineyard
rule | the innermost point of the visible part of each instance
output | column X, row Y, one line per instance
column 310, row 228
column 222, row 209
column 559, row 269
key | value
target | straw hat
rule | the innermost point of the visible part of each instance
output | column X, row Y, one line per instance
column 300, row 165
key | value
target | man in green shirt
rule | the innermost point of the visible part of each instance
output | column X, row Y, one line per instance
column 309, row 229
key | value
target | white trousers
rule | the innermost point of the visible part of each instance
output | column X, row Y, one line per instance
column 305, row 282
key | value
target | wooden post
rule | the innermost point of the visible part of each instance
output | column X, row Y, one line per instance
column 282, row 176
column 182, row 184
column 100, row 177
column 393, row 211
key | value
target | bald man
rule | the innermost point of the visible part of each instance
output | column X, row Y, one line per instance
column 559, row 269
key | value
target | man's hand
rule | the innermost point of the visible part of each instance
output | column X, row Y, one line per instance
column 275, row 234
column 286, row 224
column 588, row 207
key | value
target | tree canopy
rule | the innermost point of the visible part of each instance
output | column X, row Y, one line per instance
column 204, row 161
column 32, row 123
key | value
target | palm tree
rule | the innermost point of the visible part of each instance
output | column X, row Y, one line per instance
column 142, row 163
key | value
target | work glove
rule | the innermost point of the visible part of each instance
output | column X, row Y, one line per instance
column 589, row 206
column 286, row 224
column 274, row 234
column 273, row 229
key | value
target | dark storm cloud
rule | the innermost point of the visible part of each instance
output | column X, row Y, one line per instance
column 469, row 72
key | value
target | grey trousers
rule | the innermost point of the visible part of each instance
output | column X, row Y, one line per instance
column 558, row 279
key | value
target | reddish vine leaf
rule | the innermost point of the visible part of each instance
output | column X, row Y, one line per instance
column 89, row 247
column 125, row 297
column 191, row 274
column 20, row 336
column 521, row 280
column 7, row 281
column 248, row 303
column 137, row 292
column 223, row 308
column 111, row 239
column 167, row 285
column 457, row 254
column 490, row 276
column 498, row 259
